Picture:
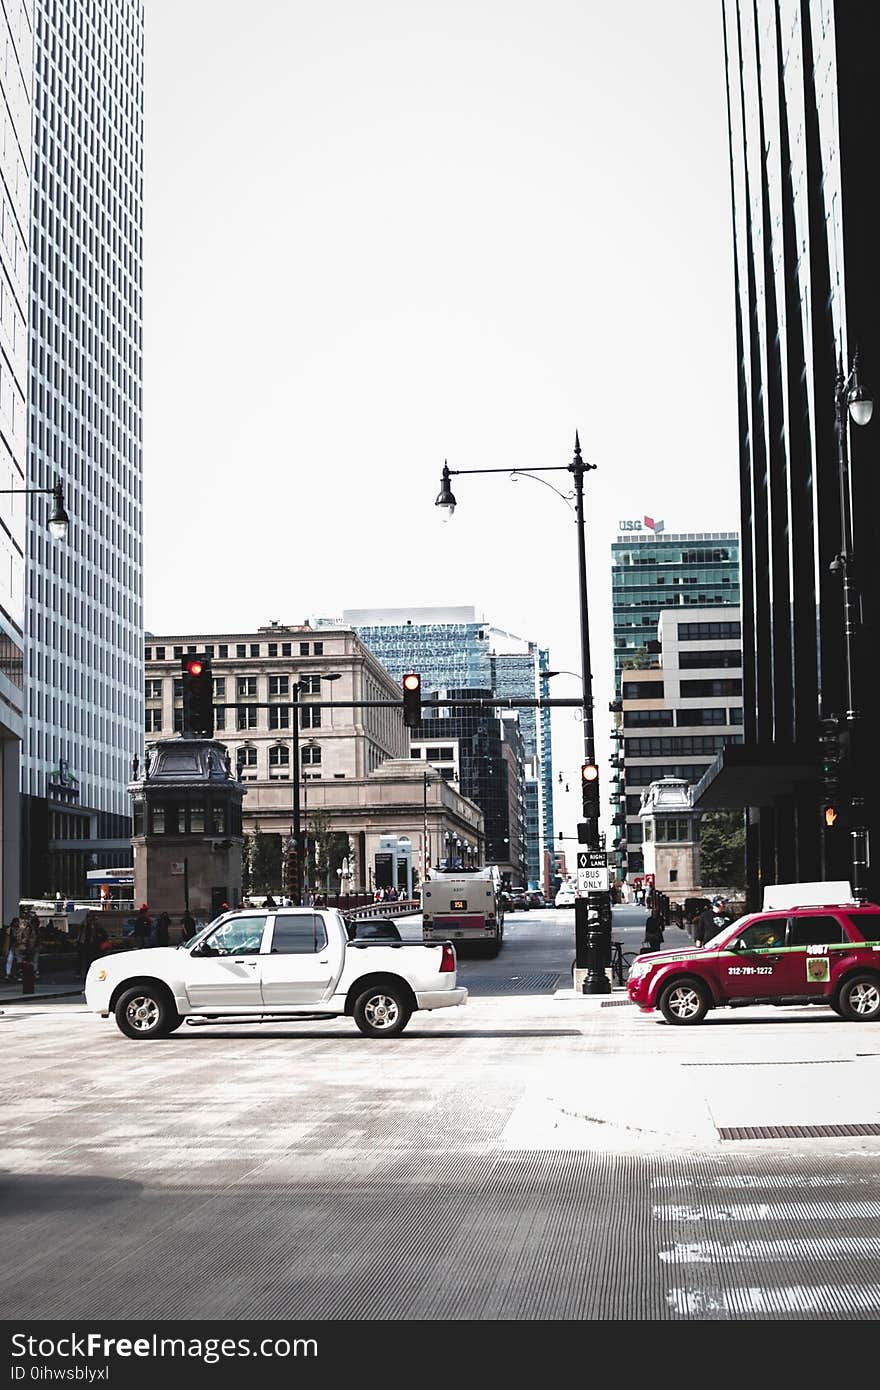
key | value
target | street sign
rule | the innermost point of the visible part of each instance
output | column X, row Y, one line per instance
column 592, row 871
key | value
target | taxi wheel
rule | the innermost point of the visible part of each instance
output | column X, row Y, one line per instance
column 684, row 1001
column 859, row 998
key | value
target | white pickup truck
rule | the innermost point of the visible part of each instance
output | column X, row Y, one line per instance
column 294, row 962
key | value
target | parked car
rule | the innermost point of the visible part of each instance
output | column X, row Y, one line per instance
column 284, row 963
column 814, row 948
column 564, row 896
column 536, row 898
column 520, row 900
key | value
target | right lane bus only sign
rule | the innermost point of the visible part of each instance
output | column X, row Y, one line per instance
column 592, row 871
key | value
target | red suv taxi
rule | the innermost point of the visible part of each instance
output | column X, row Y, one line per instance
column 817, row 952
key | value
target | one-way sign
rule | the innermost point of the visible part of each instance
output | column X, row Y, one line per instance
column 592, row 871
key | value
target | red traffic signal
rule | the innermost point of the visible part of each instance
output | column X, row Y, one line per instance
column 198, row 697
column 590, row 790
column 412, row 699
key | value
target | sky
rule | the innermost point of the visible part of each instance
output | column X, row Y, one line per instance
column 380, row 237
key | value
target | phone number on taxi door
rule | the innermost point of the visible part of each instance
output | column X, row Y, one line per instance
column 750, row 970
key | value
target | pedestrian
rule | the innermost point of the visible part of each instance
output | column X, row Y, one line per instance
column 653, row 932
column 85, row 944
column 270, row 901
column 704, row 926
column 30, row 942
column 142, row 926
column 163, row 922
column 187, row 927
column 12, row 947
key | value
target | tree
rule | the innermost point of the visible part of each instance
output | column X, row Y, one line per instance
column 723, row 849
column 264, row 861
column 328, row 849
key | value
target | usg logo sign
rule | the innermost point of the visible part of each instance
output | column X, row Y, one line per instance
column 647, row 523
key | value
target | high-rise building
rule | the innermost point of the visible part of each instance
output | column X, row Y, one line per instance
column 680, row 712
column 447, row 646
column 516, row 666
column 16, row 40
column 84, row 601
column 652, row 571
column 803, row 101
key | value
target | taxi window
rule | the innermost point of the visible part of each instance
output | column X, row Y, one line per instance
column 866, row 926
column 821, row 930
column 299, row 935
column 767, row 934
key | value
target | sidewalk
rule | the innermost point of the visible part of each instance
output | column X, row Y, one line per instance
column 55, row 986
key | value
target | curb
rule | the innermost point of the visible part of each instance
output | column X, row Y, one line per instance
column 44, row 994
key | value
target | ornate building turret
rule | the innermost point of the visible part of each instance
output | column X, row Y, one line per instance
column 187, row 839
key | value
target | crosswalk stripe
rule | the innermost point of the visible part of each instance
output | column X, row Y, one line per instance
column 743, row 1251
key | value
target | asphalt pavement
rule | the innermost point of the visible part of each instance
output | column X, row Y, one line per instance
column 536, row 1154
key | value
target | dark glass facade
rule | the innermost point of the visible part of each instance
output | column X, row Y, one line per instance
column 803, row 79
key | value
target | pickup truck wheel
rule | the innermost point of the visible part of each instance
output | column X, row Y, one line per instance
column 684, row 1001
column 145, row 1012
column 381, row 1012
column 859, row 998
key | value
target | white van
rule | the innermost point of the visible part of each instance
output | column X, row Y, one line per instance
column 464, row 905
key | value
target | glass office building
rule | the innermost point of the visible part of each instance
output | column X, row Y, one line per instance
column 447, row 646
column 16, row 39
column 803, row 106
column 651, row 572
column 84, row 599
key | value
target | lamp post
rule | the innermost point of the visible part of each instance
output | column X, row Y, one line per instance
column 592, row 914
column 849, row 393
column 295, row 689
column 58, row 520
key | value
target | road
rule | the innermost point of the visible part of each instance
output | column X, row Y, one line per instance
column 534, row 1155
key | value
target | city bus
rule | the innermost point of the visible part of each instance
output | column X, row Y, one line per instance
column 464, row 905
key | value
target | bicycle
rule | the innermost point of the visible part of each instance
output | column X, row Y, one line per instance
column 621, row 961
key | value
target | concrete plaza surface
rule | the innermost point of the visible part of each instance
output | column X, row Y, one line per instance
column 534, row 1154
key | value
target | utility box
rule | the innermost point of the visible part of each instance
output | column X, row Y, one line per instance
column 187, row 814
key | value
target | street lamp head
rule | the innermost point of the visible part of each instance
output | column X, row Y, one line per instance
column 58, row 520
column 859, row 398
column 445, row 496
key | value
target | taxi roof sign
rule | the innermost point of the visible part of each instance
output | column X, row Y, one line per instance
column 779, row 896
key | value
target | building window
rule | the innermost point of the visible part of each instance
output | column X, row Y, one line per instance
column 310, row 717
column 255, row 649
column 157, row 819
column 279, row 761
column 310, row 756
column 685, row 717
column 673, row 875
column 279, row 717
column 697, row 690
column 178, row 653
column 218, row 818
column 702, row 632
column 310, row 685
column 241, row 649
column 656, row 718
column 694, row 661
column 643, row 690
column 670, row 828
column 415, row 752
column 220, row 688
column 177, row 687
column 153, row 690
column 246, row 757
column 303, row 648
column 246, row 688
column 197, row 819
column 152, row 721
column 178, row 721
column 223, row 650
column 318, row 648
column 272, row 649
column 160, row 653
column 209, row 649
column 285, row 649
column 246, row 717
column 279, row 685
column 219, row 718
column 148, row 653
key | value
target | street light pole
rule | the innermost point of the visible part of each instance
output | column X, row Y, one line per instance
column 295, row 688
column 593, row 913
column 58, row 520
column 850, row 394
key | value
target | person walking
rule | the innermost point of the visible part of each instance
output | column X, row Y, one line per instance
column 704, row 926
column 187, row 927
column 142, row 926
column 653, row 932
column 11, row 947
column 30, row 942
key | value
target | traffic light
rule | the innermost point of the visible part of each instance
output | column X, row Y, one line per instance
column 198, row 697
column 412, row 700
column 590, row 790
